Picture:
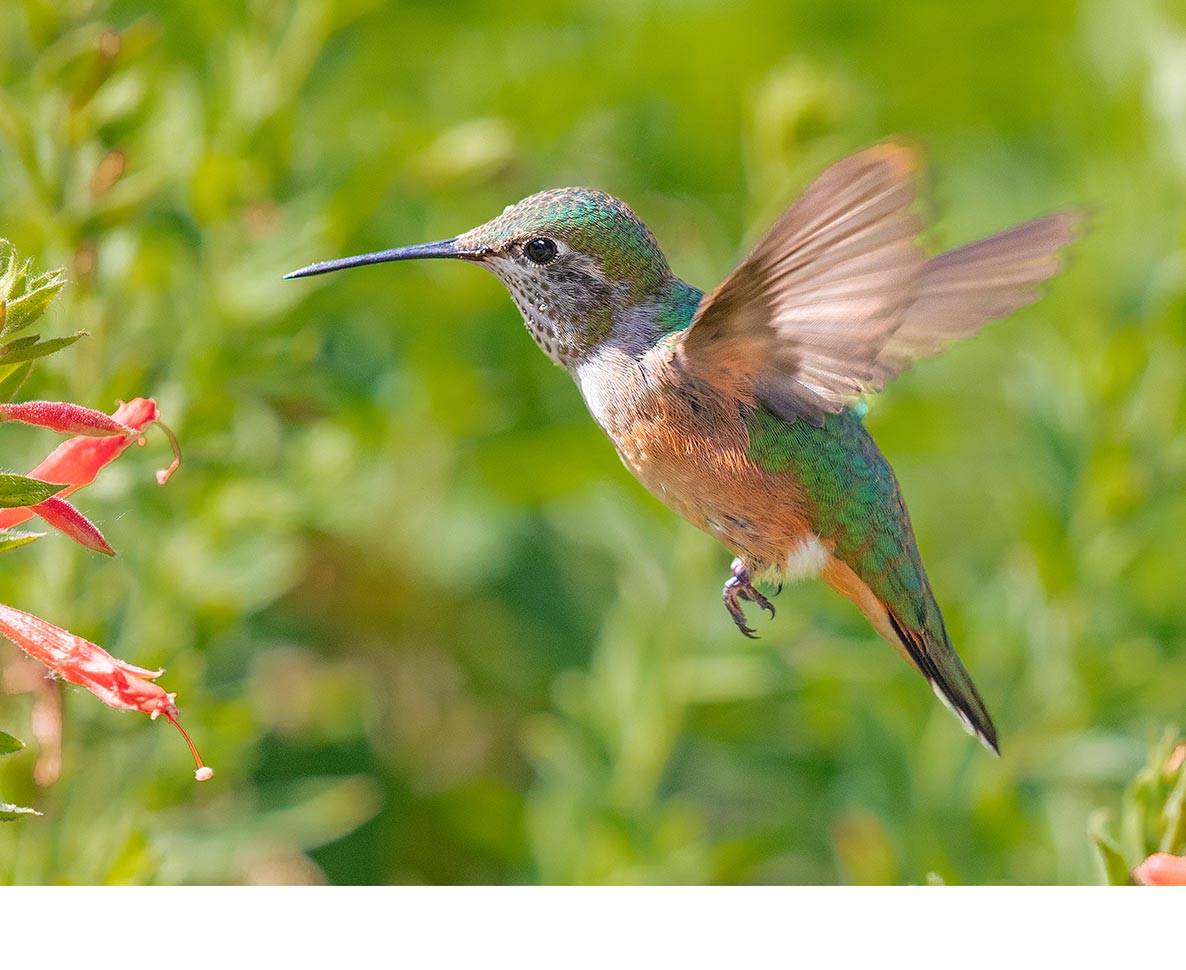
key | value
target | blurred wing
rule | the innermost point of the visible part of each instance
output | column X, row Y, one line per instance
column 803, row 320
column 960, row 291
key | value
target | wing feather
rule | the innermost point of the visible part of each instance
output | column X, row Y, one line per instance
column 837, row 298
column 961, row 290
column 805, row 316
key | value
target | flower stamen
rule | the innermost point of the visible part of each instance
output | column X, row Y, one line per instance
column 203, row 772
column 164, row 474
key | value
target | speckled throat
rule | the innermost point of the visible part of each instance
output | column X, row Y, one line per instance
column 565, row 328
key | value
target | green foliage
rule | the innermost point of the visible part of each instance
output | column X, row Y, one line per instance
column 15, row 538
column 17, row 491
column 29, row 348
column 24, row 298
column 1152, row 814
column 426, row 626
column 12, row 813
column 13, row 379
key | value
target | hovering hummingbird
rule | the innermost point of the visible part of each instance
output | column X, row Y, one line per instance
column 736, row 408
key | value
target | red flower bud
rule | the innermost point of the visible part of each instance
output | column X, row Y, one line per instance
column 66, row 418
column 66, row 518
column 1161, row 869
column 116, row 683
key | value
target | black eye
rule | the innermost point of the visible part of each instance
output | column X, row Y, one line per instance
column 540, row 250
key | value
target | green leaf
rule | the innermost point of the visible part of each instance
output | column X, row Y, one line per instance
column 13, row 539
column 9, row 744
column 1116, row 870
column 12, row 378
column 20, row 278
column 10, row 266
column 13, row 813
column 1173, row 839
column 17, row 491
column 29, row 308
column 21, row 343
column 24, row 298
column 23, row 348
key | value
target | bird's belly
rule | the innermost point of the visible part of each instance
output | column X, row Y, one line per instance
column 761, row 516
column 687, row 442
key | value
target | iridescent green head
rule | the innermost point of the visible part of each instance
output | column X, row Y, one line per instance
column 579, row 264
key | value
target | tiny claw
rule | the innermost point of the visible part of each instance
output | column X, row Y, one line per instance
column 739, row 586
column 739, row 618
column 735, row 611
column 747, row 592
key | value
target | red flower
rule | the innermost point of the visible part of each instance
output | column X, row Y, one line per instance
column 66, row 518
column 116, row 683
column 1161, row 869
column 78, row 461
column 63, row 417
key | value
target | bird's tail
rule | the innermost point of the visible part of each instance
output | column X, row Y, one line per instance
column 876, row 564
column 900, row 605
column 930, row 650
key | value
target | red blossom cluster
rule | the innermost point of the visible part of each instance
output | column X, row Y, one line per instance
column 99, row 439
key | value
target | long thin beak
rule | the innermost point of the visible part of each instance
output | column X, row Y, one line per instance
column 444, row 249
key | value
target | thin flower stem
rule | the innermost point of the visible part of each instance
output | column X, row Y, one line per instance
column 164, row 474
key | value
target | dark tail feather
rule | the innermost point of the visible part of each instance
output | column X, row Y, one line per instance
column 945, row 672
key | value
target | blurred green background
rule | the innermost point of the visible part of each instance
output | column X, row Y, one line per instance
column 419, row 617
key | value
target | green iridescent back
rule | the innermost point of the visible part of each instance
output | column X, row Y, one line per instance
column 857, row 503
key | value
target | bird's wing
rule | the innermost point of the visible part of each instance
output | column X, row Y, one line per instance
column 802, row 322
column 961, row 290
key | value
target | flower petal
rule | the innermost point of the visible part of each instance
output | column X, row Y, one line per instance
column 78, row 461
column 64, row 417
column 1161, row 869
column 116, row 683
column 66, row 518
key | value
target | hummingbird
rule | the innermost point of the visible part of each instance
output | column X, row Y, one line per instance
column 740, row 409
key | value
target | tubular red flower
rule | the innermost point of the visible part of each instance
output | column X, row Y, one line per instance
column 1161, row 869
column 116, row 683
column 78, row 461
column 64, row 418
column 66, row 518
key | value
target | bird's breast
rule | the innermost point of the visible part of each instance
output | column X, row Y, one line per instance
column 687, row 443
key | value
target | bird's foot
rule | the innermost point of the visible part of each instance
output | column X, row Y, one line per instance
column 740, row 586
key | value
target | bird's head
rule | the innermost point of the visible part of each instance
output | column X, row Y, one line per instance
column 579, row 264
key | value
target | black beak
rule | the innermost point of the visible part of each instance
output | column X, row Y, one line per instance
column 444, row 249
